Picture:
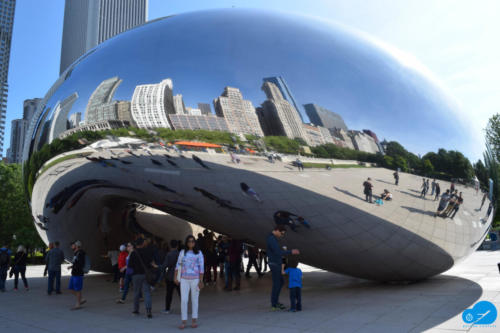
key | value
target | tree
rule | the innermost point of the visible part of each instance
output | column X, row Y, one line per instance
column 16, row 225
column 427, row 166
column 481, row 173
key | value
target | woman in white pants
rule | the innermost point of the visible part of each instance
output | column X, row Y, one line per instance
column 189, row 273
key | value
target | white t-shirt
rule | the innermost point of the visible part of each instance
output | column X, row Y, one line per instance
column 113, row 256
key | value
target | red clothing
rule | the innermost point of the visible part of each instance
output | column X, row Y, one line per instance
column 122, row 259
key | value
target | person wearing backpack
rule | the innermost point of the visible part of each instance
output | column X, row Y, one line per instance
column 4, row 265
column 19, row 267
column 77, row 272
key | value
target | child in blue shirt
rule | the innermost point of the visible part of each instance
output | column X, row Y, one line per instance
column 294, row 284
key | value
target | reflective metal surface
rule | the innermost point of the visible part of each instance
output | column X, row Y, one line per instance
column 224, row 58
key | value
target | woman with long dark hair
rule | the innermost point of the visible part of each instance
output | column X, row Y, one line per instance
column 189, row 274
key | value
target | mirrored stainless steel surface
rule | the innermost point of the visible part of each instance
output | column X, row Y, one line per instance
column 246, row 65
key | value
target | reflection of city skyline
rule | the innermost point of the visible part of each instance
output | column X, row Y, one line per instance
column 154, row 105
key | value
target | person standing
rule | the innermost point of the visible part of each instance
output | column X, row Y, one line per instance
column 438, row 191
column 122, row 265
column 77, row 272
column 169, row 264
column 458, row 202
column 140, row 260
column 294, row 284
column 54, row 259
column 128, row 274
column 396, row 177
column 425, row 188
column 112, row 255
column 483, row 200
column 235, row 252
column 262, row 257
column 443, row 202
column 19, row 267
column 368, row 190
column 433, row 187
column 190, row 265
column 275, row 254
column 252, row 261
column 4, row 265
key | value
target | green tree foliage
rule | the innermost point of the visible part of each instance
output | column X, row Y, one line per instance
column 16, row 225
column 427, row 166
column 482, row 173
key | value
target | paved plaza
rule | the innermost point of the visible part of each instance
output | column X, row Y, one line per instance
column 331, row 303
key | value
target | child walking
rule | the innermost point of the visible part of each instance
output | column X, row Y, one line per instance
column 294, row 284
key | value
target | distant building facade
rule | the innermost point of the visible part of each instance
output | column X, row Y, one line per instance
column 18, row 130
column 281, row 117
column 59, row 121
column 87, row 23
column 29, row 108
column 205, row 108
column 286, row 92
column 75, row 119
column 194, row 122
column 320, row 116
column 343, row 136
column 364, row 142
column 98, row 106
column 317, row 135
column 179, row 107
column 151, row 103
column 239, row 113
column 99, row 126
column 7, row 9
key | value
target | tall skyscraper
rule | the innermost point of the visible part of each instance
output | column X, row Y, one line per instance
column 282, row 117
column 280, row 82
column 151, row 103
column 17, row 134
column 75, row 119
column 98, row 107
column 323, row 117
column 205, row 108
column 240, row 114
column 59, row 122
column 87, row 23
column 7, row 8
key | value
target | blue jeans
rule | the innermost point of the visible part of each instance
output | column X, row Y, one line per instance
column 296, row 299
column 126, row 285
column 140, row 283
column 54, row 275
column 277, row 283
column 3, row 276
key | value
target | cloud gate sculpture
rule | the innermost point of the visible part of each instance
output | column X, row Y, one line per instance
column 244, row 72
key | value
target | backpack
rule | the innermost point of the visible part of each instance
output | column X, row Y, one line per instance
column 4, row 258
column 86, row 267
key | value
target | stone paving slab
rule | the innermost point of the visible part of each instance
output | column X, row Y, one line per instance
column 331, row 302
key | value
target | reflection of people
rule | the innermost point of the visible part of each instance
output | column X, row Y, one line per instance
column 433, row 187
column 396, row 177
column 386, row 195
column 249, row 191
column 443, row 202
column 438, row 191
column 458, row 202
column 368, row 190
column 300, row 166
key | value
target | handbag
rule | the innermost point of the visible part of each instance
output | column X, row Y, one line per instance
column 179, row 271
column 148, row 272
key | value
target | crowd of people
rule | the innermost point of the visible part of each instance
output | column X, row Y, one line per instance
column 183, row 267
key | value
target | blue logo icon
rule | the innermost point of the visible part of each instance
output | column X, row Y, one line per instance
column 483, row 313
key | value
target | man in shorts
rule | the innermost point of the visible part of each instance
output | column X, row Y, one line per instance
column 77, row 271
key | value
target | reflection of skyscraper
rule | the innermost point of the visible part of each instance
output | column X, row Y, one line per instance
column 97, row 108
column 29, row 108
column 285, row 91
column 87, row 23
column 123, row 112
column 322, row 117
column 282, row 117
column 75, row 119
column 179, row 106
column 205, row 122
column 151, row 103
column 240, row 114
column 17, row 134
column 193, row 111
column 59, row 121
column 205, row 108
column 7, row 8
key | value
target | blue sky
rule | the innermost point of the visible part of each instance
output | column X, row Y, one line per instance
column 454, row 42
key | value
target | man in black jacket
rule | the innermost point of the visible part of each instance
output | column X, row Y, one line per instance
column 169, row 264
column 77, row 271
